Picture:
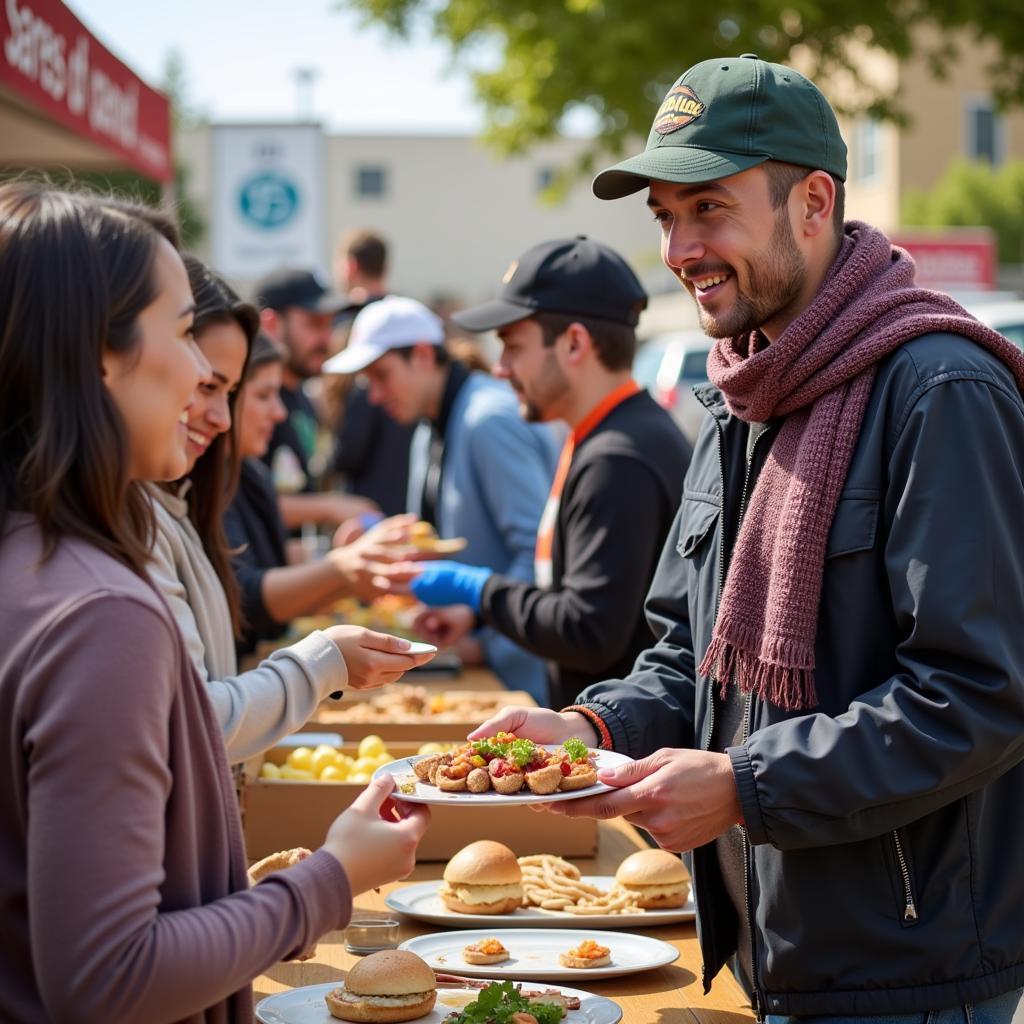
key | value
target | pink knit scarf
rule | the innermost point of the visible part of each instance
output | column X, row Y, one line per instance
column 818, row 375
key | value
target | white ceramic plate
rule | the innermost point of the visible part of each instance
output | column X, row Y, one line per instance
column 422, row 902
column 306, row 1006
column 418, row 647
column 427, row 794
column 534, row 953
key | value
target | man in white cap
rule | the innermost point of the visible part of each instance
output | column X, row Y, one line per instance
column 476, row 469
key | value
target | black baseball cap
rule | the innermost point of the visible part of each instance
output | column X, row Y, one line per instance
column 290, row 286
column 574, row 276
column 727, row 115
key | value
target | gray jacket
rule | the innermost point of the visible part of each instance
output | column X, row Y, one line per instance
column 885, row 828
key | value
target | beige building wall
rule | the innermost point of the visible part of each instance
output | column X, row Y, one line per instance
column 454, row 214
column 916, row 155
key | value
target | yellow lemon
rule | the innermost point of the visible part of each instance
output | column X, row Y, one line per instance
column 359, row 777
column 371, row 746
column 269, row 770
column 332, row 773
column 301, row 758
column 323, row 757
column 365, row 764
column 431, row 748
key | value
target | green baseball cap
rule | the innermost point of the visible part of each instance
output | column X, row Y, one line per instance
column 727, row 115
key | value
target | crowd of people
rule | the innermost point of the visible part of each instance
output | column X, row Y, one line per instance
column 805, row 631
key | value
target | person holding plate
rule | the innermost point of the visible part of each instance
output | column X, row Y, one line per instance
column 832, row 717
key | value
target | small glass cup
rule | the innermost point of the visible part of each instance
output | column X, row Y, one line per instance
column 370, row 933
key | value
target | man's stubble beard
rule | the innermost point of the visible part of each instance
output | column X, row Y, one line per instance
column 555, row 385
column 775, row 279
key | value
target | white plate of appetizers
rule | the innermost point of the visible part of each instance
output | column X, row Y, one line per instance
column 408, row 787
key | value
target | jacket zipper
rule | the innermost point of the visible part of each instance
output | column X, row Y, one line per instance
column 748, row 865
column 748, row 870
column 910, row 908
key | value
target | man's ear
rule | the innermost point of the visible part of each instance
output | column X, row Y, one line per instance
column 424, row 354
column 817, row 199
column 578, row 342
column 270, row 321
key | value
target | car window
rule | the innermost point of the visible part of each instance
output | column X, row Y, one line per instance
column 695, row 366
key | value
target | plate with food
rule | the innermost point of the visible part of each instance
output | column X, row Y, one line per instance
column 397, row 986
column 536, row 954
column 485, row 884
column 503, row 769
column 423, row 536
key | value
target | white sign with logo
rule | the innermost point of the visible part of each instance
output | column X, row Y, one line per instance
column 268, row 198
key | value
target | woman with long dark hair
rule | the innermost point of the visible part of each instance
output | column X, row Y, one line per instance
column 191, row 563
column 122, row 865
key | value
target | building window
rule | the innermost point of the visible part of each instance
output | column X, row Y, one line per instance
column 371, row 182
column 984, row 131
column 867, row 149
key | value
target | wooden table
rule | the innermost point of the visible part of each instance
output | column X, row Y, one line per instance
column 668, row 995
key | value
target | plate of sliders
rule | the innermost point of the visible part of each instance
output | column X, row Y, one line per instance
column 395, row 985
column 539, row 954
column 486, row 885
column 502, row 769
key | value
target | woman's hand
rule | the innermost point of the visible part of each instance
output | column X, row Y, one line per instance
column 374, row 659
column 375, row 840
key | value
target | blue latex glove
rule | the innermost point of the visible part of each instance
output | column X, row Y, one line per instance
column 444, row 583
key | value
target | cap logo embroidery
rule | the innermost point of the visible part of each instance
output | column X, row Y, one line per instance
column 510, row 273
column 679, row 108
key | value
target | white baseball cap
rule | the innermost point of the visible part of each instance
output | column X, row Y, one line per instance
column 390, row 323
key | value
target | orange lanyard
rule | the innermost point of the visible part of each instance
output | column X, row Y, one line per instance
column 586, row 426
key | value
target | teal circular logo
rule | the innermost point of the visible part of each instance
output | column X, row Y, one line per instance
column 268, row 200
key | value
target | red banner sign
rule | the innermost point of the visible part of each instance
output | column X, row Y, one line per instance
column 52, row 61
column 952, row 259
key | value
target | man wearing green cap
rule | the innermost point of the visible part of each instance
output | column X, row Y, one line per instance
column 832, row 717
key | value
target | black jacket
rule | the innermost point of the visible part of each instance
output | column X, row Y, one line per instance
column 617, row 505
column 885, row 827
column 256, row 535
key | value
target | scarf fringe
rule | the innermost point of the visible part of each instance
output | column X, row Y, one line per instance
column 785, row 685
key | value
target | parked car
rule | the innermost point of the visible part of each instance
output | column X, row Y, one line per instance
column 1006, row 317
column 682, row 364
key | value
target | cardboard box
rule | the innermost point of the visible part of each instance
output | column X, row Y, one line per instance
column 412, row 728
column 281, row 814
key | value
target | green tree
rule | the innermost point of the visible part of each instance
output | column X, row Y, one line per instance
column 532, row 65
column 975, row 195
column 184, row 115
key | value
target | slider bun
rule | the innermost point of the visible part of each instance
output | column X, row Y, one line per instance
column 387, row 974
column 647, row 874
column 484, row 862
column 505, row 906
column 651, row 867
column 276, row 862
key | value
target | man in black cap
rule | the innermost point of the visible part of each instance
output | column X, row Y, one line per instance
column 566, row 317
column 298, row 311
